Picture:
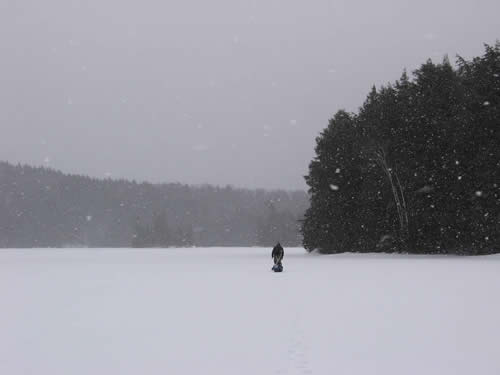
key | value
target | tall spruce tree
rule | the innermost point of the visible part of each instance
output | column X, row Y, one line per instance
column 332, row 223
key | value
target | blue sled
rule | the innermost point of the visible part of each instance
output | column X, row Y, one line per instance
column 277, row 268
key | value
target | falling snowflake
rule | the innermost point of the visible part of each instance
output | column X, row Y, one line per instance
column 486, row 103
column 479, row 193
column 88, row 217
column 337, row 170
column 425, row 189
column 334, row 187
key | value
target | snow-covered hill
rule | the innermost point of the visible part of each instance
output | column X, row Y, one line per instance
column 222, row 311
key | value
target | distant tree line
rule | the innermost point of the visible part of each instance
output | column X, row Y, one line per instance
column 161, row 234
column 417, row 169
column 40, row 207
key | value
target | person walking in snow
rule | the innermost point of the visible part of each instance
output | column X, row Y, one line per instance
column 278, row 254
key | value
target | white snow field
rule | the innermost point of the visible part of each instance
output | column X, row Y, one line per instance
column 222, row 311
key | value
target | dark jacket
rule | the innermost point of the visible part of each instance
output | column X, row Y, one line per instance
column 278, row 252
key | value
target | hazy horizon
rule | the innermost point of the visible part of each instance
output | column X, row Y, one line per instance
column 222, row 93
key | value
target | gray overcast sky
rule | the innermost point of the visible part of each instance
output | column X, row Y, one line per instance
column 221, row 91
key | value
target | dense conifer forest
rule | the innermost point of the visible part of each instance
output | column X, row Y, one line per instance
column 40, row 207
column 416, row 169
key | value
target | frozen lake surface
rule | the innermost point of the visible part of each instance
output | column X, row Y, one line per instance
column 222, row 311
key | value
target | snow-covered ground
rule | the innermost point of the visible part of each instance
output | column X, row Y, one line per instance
column 222, row 311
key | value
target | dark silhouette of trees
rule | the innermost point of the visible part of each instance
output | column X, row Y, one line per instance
column 416, row 169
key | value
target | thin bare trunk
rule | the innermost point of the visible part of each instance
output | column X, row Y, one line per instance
column 405, row 208
column 397, row 193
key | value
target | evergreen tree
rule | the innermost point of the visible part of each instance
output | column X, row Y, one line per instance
column 332, row 223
